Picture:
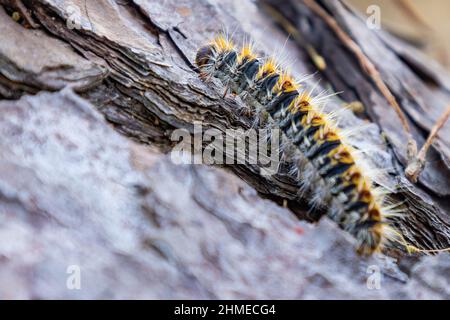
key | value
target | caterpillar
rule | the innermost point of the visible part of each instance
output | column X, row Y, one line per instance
column 328, row 167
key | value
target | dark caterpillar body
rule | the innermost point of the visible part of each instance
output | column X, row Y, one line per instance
column 327, row 165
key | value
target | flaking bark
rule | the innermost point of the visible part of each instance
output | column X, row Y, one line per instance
column 134, row 62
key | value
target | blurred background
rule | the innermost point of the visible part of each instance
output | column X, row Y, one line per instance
column 423, row 23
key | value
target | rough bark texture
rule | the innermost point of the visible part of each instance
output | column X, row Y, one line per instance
column 73, row 191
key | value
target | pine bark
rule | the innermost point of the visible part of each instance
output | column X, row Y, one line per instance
column 91, row 92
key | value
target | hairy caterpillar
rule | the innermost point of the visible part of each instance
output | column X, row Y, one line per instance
column 328, row 166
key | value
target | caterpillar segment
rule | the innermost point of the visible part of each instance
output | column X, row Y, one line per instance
column 328, row 166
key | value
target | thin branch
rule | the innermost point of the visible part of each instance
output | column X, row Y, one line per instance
column 417, row 164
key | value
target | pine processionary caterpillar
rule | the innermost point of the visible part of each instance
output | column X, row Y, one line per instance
column 328, row 166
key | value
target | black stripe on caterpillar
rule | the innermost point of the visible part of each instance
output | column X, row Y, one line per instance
column 328, row 166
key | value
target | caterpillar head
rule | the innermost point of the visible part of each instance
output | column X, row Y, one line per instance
column 204, row 56
column 210, row 61
column 220, row 51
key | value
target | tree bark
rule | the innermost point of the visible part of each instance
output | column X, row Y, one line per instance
column 65, row 173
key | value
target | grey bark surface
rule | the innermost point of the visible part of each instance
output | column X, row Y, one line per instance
column 73, row 191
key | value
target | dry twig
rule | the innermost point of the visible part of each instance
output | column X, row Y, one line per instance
column 417, row 163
